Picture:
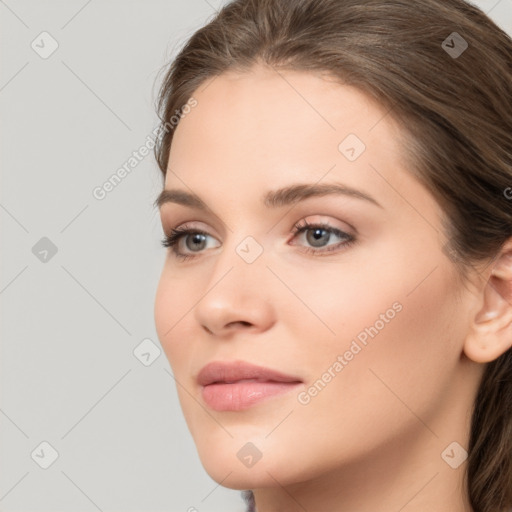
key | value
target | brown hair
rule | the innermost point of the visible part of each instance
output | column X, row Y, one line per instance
column 456, row 112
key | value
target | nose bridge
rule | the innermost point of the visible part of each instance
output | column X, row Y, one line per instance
column 243, row 259
column 237, row 290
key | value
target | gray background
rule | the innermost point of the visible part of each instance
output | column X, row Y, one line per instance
column 72, row 320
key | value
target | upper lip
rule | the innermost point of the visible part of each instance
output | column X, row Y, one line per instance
column 233, row 371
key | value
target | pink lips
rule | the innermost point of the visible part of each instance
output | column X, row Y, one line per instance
column 237, row 385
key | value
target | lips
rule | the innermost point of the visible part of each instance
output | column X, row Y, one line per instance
column 234, row 371
column 236, row 385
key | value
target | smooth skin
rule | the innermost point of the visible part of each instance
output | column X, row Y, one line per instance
column 373, row 437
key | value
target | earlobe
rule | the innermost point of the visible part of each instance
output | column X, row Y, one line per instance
column 490, row 332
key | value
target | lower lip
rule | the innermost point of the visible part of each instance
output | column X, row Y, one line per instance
column 242, row 395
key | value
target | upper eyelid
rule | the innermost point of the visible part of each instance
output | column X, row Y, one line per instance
column 305, row 218
column 298, row 227
column 298, row 205
column 191, row 225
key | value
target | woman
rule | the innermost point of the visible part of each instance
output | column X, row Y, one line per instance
column 336, row 302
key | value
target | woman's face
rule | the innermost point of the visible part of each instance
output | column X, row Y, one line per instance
column 363, row 310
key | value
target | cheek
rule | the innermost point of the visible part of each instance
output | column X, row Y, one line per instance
column 172, row 301
column 172, row 309
column 163, row 308
column 394, row 328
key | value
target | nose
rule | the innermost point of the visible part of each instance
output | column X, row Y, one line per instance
column 236, row 298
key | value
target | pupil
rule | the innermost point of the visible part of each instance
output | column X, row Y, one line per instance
column 318, row 234
column 197, row 240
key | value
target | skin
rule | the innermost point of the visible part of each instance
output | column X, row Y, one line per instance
column 373, row 437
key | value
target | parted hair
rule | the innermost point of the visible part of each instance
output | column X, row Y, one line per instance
column 452, row 96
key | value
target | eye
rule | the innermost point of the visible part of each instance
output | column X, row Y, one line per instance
column 195, row 240
column 318, row 235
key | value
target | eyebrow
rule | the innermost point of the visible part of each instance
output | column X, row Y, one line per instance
column 273, row 199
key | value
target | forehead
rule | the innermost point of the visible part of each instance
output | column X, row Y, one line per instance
column 281, row 108
column 269, row 127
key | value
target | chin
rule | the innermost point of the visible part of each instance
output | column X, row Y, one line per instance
column 246, row 462
column 241, row 478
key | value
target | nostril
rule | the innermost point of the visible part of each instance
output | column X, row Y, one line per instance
column 242, row 322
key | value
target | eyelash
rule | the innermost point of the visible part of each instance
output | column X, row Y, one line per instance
column 171, row 240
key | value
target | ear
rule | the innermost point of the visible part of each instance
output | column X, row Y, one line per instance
column 490, row 333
